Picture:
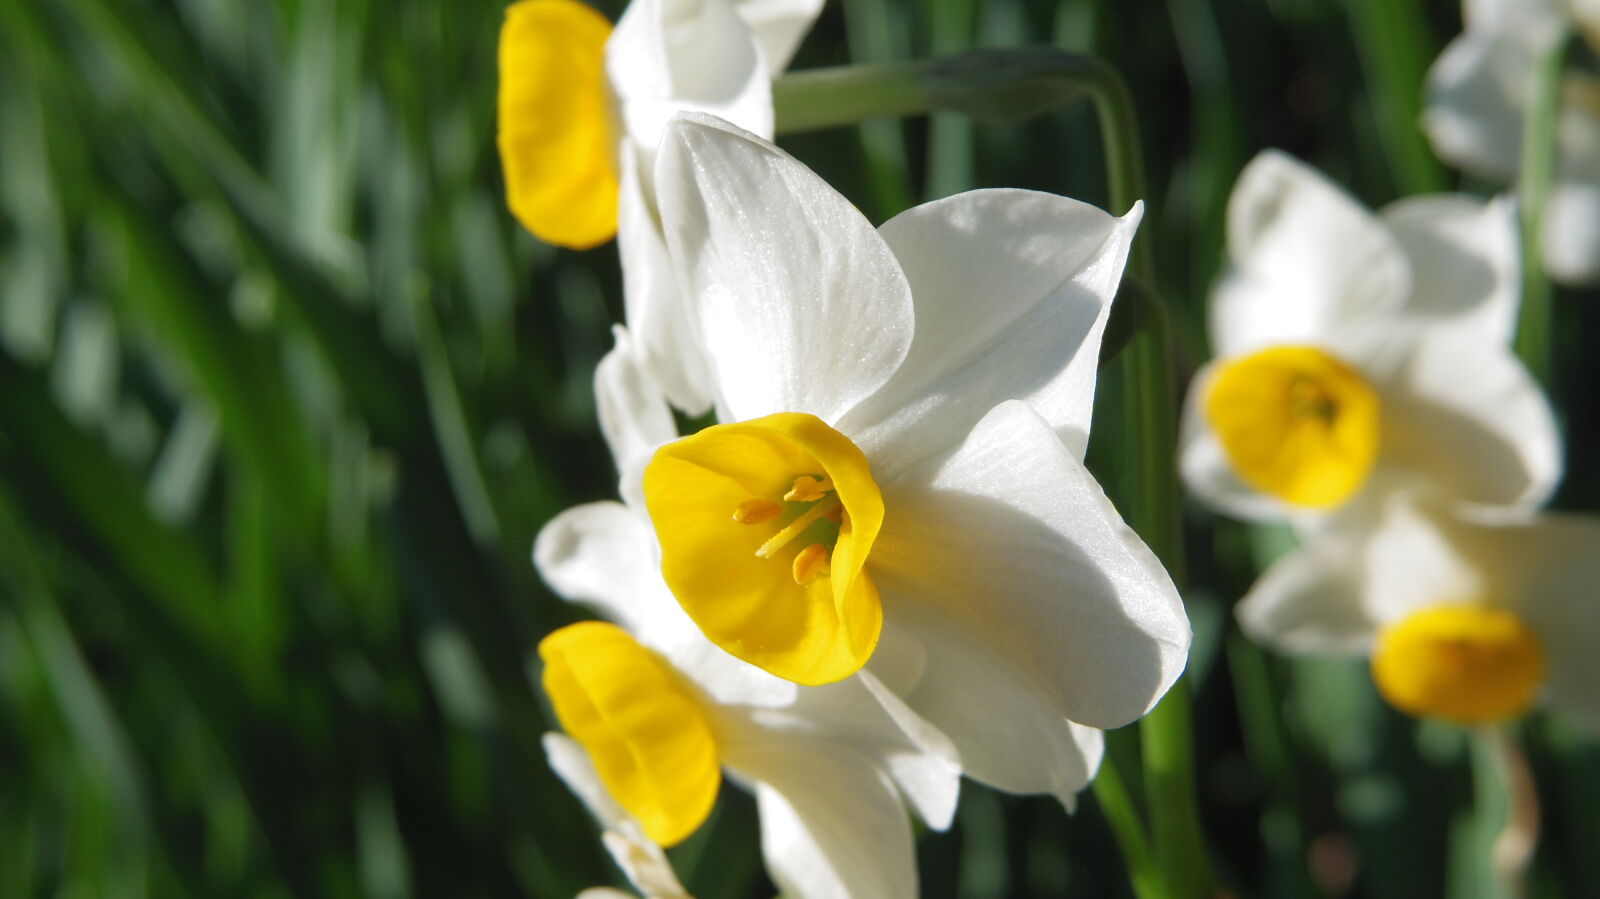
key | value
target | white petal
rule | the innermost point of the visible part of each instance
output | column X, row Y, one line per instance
column 1011, row 290
column 1473, row 421
column 1554, row 562
column 666, row 344
column 1572, row 233
column 1515, row 16
column 1011, row 539
column 642, row 860
column 604, row 893
column 1306, row 261
column 801, row 306
column 1411, row 560
column 831, row 824
column 634, row 417
column 602, row 555
column 1464, row 263
column 779, row 25
column 1007, row 732
column 1474, row 109
column 1204, row 464
column 571, row 763
column 666, row 56
column 1310, row 601
column 877, row 724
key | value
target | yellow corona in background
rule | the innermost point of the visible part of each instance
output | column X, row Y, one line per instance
column 642, row 725
column 1470, row 664
column 1297, row 423
column 765, row 527
column 557, row 135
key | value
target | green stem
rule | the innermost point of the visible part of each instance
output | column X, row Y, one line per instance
column 1507, row 813
column 1395, row 43
column 1116, row 803
column 1150, row 425
column 1538, row 172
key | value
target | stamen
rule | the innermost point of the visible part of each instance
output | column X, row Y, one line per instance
column 808, row 489
column 781, row 539
column 810, row 563
column 757, row 511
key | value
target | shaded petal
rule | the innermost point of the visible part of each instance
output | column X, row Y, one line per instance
column 1011, row 539
column 779, row 26
column 1011, row 290
column 667, row 56
column 665, row 343
column 1310, row 601
column 633, row 414
column 877, row 724
column 1572, row 232
column 1307, row 262
column 800, row 305
column 1007, row 732
column 602, row 555
column 1474, row 108
column 1464, row 256
column 1556, row 559
column 831, row 822
column 1471, row 420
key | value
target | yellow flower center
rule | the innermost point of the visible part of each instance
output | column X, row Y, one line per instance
column 765, row 527
column 557, row 140
column 1297, row 423
column 1470, row 664
column 643, row 728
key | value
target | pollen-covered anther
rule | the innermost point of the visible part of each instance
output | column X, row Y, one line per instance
column 807, row 489
column 757, row 511
column 810, row 563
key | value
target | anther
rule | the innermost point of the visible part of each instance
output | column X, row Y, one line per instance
column 808, row 489
column 810, row 563
column 792, row 530
column 756, row 511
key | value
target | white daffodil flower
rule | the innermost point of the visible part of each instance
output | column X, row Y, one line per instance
column 581, row 111
column 1469, row 613
column 898, row 476
column 1478, row 91
column 655, row 715
column 1359, row 353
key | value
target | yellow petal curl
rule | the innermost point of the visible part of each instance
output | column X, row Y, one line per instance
column 648, row 737
column 557, row 138
column 1296, row 422
column 1471, row 664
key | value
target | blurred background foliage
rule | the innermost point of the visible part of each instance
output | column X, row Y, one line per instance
column 285, row 395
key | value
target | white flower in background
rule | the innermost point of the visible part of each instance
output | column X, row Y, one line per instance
column 1358, row 354
column 581, row 111
column 899, row 474
column 654, row 715
column 1470, row 614
column 1478, row 92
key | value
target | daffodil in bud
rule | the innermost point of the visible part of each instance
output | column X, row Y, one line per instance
column 1478, row 95
column 1358, row 354
column 1469, row 614
column 657, row 722
column 896, row 488
column 581, row 111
